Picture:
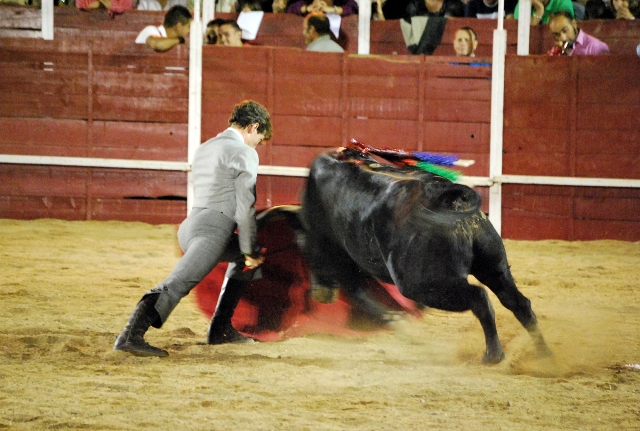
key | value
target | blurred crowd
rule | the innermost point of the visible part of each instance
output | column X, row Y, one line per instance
column 561, row 17
column 380, row 9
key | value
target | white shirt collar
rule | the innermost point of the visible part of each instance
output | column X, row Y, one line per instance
column 236, row 132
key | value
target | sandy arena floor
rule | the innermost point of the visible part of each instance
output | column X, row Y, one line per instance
column 67, row 289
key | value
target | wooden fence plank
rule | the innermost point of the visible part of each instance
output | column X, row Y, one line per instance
column 135, row 140
column 124, row 183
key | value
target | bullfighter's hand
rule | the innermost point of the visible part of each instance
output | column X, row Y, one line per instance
column 253, row 262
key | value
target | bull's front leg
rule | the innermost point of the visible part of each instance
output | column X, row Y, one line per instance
column 323, row 292
column 364, row 304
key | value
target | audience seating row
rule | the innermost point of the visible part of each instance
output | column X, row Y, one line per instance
column 285, row 30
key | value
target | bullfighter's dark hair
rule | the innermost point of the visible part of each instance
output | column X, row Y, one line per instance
column 320, row 22
column 249, row 112
column 175, row 15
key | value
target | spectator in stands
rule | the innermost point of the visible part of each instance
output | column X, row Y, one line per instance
column 541, row 10
column 377, row 12
column 465, row 42
column 225, row 6
column 176, row 26
column 638, row 50
column 230, row 34
column 339, row 7
column 162, row 4
column 395, row 9
column 570, row 40
column 213, row 28
column 626, row 9
column 115, row 7
column 613, row 9
column 579, row 11
column 249, row 6
column 489, row 8
column 279, row 6
column 445, row 8
column 599, row 9
column 317, row 33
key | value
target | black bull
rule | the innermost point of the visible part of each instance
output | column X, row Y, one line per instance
column 413, row 229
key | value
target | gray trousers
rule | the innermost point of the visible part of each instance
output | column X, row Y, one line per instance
column 207, row 237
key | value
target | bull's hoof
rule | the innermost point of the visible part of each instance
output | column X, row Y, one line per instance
column 325, row 294
column 493, row 358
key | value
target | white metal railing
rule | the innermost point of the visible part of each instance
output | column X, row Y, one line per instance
column 291, row 171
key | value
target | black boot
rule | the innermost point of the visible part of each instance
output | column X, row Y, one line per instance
column 131, row 339
column 220, row 329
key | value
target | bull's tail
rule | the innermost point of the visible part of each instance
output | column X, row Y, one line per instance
column 451, row 204
column 457, row 198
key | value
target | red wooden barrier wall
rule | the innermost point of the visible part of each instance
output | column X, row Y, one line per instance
column 92, row 99
column 572, row 117
column 320, row 100
column 110, row 98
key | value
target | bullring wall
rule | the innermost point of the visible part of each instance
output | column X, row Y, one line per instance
column 109, row 98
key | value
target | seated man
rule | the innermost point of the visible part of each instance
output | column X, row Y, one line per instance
column 177, row 24
column 465, row 42
column 317, row 33
column 570, row 40
column 489, row 8
column 211, row 33
column 230, row 34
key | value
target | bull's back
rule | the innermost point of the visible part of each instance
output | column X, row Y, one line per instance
column 376, row 212
column 361, row 188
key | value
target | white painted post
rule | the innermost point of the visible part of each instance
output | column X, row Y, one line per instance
column 364, row 27
column 497, row 120
column 47, row 19
column 208, row 7
column 524, row 26
column 195, row 96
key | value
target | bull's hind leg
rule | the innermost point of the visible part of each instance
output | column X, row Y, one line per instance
column 502, row 284
column 459, row 295
column 491, row 268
